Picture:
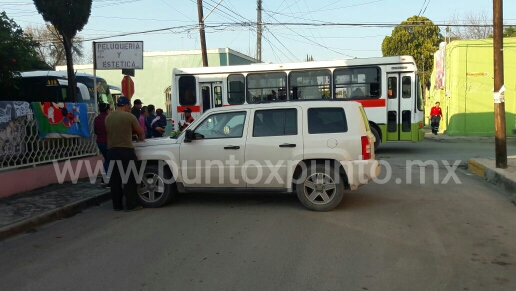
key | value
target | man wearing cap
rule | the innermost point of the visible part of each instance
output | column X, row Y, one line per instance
column 137, row 108
column 188, row 119
column 120, row 126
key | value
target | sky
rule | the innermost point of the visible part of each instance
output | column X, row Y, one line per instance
column 226, row 24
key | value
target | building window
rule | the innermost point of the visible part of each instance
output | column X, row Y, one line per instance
column 168, row 101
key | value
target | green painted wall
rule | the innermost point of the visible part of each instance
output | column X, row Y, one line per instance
column 151, row 82
column 467, row 100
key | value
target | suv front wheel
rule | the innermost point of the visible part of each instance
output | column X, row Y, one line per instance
column 322, row 188
column 156, row 189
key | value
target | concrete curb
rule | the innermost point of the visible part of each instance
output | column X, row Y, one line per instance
column 52, row 215
column 494, row 176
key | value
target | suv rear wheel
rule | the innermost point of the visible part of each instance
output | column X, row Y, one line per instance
column 322, row 189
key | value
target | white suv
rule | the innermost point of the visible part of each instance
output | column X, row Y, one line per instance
column 317, row 149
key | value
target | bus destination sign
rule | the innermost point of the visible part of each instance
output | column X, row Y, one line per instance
column 118, row 55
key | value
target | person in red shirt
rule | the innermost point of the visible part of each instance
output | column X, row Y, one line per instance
column 435, row 117
column 100, row 131
column 188, row 119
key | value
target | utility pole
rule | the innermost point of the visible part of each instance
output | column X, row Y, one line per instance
column 499, row 99
column 259, row 32
column 203, row 37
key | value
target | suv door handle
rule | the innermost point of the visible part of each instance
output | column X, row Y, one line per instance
column 287, row 145
column 232, row 148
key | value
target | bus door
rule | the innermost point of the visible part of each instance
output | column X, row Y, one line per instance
column 400, row 99
column 211, row 94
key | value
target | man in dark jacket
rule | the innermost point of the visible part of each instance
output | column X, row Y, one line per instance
column 137, row 108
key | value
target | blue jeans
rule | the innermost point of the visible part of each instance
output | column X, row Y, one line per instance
column 104, row 152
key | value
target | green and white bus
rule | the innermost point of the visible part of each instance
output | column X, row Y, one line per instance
column 388, row 88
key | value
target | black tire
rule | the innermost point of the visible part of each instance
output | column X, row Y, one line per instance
column 158, row 191
column 377, row 137
column 329, row 178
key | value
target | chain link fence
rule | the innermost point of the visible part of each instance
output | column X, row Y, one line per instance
column 21, row 145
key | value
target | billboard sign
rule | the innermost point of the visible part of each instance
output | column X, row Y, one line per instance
column 439, row 66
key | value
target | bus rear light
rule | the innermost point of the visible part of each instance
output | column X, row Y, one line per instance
column 421, row 125
column 366, row 148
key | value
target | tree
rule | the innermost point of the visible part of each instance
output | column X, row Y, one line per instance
column 417, row 37
column 510, row 31
column 309, row 58
column 483, row 29
column 68, row 17
column 17, row 54
column 51, row 49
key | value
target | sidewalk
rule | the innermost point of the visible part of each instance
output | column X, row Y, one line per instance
column 504, row 178
column 23, row 212
column 442, row 137
column 485, row 167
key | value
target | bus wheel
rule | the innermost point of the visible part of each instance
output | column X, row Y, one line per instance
column 377, row 138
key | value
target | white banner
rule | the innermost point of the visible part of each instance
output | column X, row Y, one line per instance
column 118, row 55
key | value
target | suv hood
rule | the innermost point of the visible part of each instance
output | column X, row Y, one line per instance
column 155, row 142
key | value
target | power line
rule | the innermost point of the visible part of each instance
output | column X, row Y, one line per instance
column 223, row 26
column 282, row 43
column 423, row 6
column 332, row 8
column 426, row 7
column 271, row 44
column 176, row 10
column 314, row 41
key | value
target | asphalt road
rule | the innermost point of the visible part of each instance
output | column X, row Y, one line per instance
column 392, row 236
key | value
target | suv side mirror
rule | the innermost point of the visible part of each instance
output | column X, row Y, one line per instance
column 189, row 135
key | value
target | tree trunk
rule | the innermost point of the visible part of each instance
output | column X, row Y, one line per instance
column 72, row 84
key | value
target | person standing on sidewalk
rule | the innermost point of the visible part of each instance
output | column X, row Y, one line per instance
column 120, row 126
column 143, row 119
column 435, row 117
column 153, row 128
column 100, row 131
column 188, row 119
column 137, row 108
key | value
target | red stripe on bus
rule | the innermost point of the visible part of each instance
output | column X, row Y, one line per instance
column 193, row 108
column 372, row 102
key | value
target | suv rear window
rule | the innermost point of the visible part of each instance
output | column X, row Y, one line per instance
column 275, row 122
column 327, row 120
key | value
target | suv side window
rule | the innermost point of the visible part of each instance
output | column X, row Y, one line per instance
column 222, row 125
column 275, row 122
column 327, row 120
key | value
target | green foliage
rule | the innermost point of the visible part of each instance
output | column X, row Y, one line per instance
column 417, row 37
column 68, row 17
column 510, row 32
column 17, row 54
